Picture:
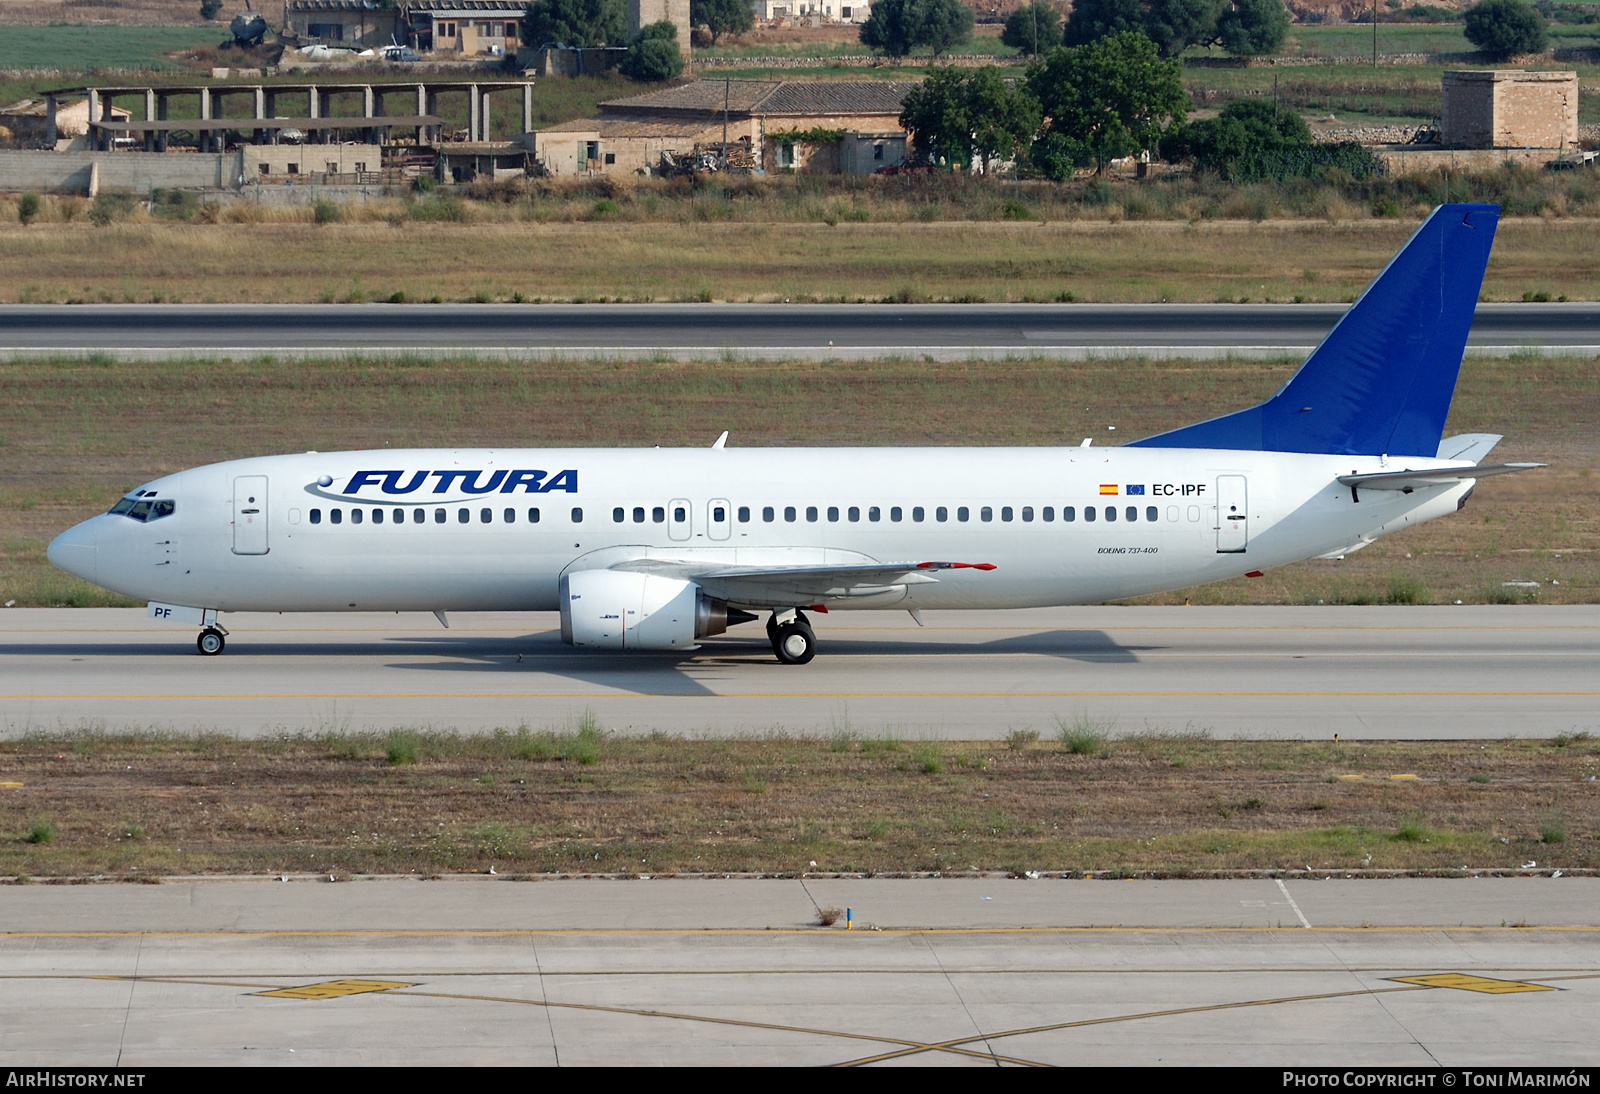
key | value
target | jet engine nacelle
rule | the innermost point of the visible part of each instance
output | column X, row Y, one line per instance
column 620, row 610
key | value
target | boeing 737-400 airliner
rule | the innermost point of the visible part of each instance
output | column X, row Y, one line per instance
column 653, row 549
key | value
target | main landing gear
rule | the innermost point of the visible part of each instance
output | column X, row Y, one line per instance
column 212, row 641
column 793, row 640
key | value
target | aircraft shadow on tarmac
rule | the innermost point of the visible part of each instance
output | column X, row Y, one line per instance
column 689, row 673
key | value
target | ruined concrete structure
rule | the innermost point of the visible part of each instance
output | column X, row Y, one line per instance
column 1509, row 109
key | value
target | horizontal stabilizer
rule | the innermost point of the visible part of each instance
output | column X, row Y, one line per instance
column 1443, row 476
column 1382, row 380
column 1468, row 446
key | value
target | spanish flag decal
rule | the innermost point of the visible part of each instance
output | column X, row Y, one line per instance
column 1108, row 488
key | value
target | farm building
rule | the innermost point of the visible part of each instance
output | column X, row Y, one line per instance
column 1509, row 109
column 32, row 123
column 830, row 126
column 359, row 23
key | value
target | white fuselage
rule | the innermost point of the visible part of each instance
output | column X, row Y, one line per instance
column 1196, row 516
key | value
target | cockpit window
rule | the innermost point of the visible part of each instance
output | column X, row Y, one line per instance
column 144, row 511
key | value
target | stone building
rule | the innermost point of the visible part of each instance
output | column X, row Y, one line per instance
column 359, row 23
column 641, row 13
column 822, row 126
column 1509, row 109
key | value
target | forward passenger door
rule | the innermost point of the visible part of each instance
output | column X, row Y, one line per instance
column 250, row 515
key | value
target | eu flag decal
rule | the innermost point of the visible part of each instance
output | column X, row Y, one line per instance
column 1133, row 490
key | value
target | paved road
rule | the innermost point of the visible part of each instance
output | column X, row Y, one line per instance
column 1378, row 672
column 978, row 972
column 753, row 330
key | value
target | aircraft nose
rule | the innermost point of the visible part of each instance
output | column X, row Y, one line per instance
column 77, row 552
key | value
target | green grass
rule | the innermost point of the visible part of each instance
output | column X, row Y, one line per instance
column 86, row 48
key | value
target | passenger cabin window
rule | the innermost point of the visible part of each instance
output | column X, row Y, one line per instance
column 744, row 514
column 894, row 513
column 616, row 515
column 789, row 514
column 768, row 514
column 1005, row 512
column 316, row 516
column 874, row 513
column 463, row 516
column 854, row 513
column 533, row 516
column 577, row 514
column 638, row 514
column 941, row 514
column 1088, row 513
column 335, row 516
column 1047, row 514
column 1027, row 513
column 1152, row 513
column 1132, row 513
column 418, row 516
column 355, row 516
column 486, row 515
column 963, row 514
column 680, row 514
column 511, row 516
column 658, row 515
column 811, row 514
column 377, row 516
column 1068, row 514
column 1111, row 512
column 833, row 514
column 986, row 513
column 916, row 514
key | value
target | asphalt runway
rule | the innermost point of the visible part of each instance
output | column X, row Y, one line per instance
column 756, row 331
column 1480, row 973
column 1262, row 672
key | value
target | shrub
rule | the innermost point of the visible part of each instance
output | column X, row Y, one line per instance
column 28, row 208
column 1501, row 29
column 324, row 212
column 654, row 55
column 1019, row 739
column 402, row 746
column 108, row 208
column 827, row 917
column 1082, row 736
column 40, row 831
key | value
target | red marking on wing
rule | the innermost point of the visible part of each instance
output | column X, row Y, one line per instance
column 955, row 566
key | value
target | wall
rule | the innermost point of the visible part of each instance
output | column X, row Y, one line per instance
column 309, row 160
column 133, row 172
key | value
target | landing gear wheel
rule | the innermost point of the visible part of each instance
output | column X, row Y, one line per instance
column 794, row 643
column 210, row 643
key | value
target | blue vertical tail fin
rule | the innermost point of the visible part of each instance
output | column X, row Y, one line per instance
column 1381, row 381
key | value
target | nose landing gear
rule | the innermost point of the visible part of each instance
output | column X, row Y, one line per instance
column 793, row 640
column 212, row 641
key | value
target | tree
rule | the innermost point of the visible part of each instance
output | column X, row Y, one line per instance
column 578, row 23
column 1502, row 29
column 1108, row 98
column 1253, row 28
column 1173, row 25
column 654, row 55
column 1243, row 130
column 942, row 24
column 896, row 27
column 210, row 9
column 962, row 117
column 1032, row 28
column 722, row 16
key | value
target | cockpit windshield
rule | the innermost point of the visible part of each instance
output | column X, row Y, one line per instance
column 144, row 507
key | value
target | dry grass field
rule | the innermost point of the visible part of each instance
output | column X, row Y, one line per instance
column 74, row 435
column 530, row 802
column 845, row 261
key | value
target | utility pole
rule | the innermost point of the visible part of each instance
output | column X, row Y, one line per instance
column 1374, row 33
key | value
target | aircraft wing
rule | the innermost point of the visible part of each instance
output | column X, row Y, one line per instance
column 803, row 585
column 1442, row 476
